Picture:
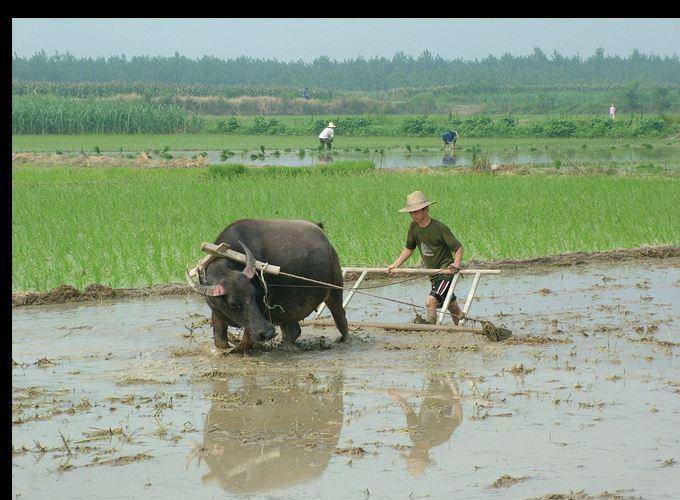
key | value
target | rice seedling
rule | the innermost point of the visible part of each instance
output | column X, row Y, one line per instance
column 133, row 227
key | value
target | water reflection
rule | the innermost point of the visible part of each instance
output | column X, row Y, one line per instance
column 325, row 158
column 439, row 415
column 263, row 436
column 449, row 159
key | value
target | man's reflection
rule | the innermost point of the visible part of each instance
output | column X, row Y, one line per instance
column 259, row 437
column 325, row 158
column 439, row 415
column 448, row 160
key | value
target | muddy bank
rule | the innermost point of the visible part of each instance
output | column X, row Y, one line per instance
column 67, row 293
column 582, row 258
column 93, row 292
column 143, row 160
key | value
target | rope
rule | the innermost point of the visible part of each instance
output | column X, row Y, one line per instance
column 350, row 289
column 356, row 290
column 266, row 292
column 491, row 331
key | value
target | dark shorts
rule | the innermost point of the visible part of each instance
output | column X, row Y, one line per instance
column 439, row 290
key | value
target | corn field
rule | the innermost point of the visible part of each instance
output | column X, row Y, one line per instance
column 150, row 89
column 54, row 115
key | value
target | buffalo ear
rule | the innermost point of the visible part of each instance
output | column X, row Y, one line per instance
column 249, row 270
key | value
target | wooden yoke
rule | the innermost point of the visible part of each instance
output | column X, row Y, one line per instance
column 223, row 250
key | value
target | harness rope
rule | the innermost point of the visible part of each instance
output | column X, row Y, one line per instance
column 491, row 331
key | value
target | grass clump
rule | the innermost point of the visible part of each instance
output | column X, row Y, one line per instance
column 336, row 168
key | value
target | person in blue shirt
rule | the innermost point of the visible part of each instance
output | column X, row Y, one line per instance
column 449, row 138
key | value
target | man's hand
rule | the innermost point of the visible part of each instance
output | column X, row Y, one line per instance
column 389, row 268
column 452, row 269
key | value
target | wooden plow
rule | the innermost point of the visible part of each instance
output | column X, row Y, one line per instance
column 465, row 325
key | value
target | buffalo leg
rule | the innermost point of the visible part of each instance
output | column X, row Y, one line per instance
column 291, row 332
column 220, row 324
column 246, row 344
column 333, row 301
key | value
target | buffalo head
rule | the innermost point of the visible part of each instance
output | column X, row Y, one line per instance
column 233, row 294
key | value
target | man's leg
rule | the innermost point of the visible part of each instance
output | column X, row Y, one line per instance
column 431, row 304
column 440, row 290
column 454, row 309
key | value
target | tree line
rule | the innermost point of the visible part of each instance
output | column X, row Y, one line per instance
column 374, row 74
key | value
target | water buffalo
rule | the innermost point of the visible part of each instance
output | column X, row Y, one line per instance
column 237, row 296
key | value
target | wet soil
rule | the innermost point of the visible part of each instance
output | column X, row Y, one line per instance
column 137, row 160
column 129, row 397
column 68, row 293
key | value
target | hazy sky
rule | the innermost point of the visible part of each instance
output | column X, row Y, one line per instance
column 306, row 39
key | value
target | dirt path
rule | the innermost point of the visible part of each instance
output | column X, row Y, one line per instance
column 94, row 292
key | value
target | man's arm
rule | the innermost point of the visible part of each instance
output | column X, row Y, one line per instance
column 403, row 257
column 457, row 258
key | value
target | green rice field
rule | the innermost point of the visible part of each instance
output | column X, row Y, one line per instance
column 131, row 227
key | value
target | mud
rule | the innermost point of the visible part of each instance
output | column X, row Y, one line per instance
column 86, row 160
column 129, row 398
column 67, row 293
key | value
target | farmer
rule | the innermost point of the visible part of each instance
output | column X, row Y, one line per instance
column 326, row 136
column 612, row 111
column 439, row 249
column 449, row 139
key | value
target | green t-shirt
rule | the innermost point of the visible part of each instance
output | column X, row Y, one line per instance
column 436, row 243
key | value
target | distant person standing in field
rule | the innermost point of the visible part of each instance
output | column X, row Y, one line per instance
column 439, row 248
column 326, row 136
column 449, row 138
column 612, row 111
column 305, row 93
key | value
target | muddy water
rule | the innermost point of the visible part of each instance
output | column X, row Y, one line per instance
column 130, row 398
column 430, row 158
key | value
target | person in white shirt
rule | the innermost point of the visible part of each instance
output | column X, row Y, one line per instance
column 326, row 136
column 612, row 111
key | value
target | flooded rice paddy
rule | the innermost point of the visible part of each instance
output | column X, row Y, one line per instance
column 130, row 398
column 428, row 157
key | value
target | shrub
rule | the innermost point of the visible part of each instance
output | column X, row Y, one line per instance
column 420, row 126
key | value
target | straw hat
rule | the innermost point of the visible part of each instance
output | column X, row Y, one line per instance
column 415, row 201
column 331, row 125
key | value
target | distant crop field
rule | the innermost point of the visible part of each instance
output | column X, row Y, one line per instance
column 129, row 227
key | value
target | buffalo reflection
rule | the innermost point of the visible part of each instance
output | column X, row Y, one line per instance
column 259, row 437
column 439, row 415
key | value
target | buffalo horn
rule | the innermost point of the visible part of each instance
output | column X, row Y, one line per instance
column 211, row 291
column 249, row 270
